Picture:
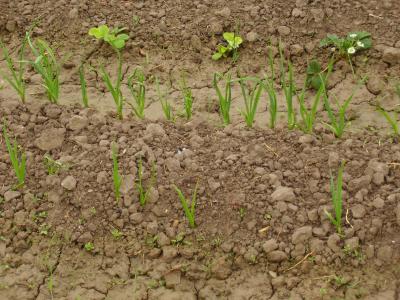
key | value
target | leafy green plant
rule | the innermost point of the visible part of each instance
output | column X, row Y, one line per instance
column 188, row 208
column 225, row 99
column 117, row 234
column 316, row 75
column 144, row 192
column 117, row 179
column 337, row 199
column 187, row 98
column 47, row 66
column 85, row 99
column 269, row 86
column 251, row 100
column 288, row 86
column 116, row 40
column 392, row 120
column 89, row 247
column 165, row 105
column 16, row 77
column 349, row 45
column 233, row 41
column 136, row 84
column 112, row 36
column 17, row 157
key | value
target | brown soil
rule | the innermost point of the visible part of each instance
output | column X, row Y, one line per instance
column 261, row 228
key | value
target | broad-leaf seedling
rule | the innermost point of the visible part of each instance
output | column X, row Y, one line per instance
column 233, row 42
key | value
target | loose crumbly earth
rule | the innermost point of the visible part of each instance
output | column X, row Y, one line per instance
column 262, row 232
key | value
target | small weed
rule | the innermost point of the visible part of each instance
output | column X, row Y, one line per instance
column 189, row 212
column 225, row 99
column 53, row 167
column 337, row 200
column 16, row 77
column 136, row 84
column 151, row 241
column 135, row 21
column 46, row 65
column 117, row 179
column 269, row 86
column 44, row 229
column 187, row 98
column 85, row 99
column 233, row 41
column 216, row 242
column 180, row 240
column 17, row 157
column 117, row 234
column 392, row 120
column 165, row 105
column 113, row 36
column 242, row 213
column 144, row 192
column 89, row 247
column 251, row 100
column 315, row 75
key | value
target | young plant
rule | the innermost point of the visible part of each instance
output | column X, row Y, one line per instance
column 251, row 100
column 165, row 105
column 188, row 208
column 392, row 120
column 85, row 99
column 17, row 157
column 288, row 86
column 187, row 98
column 136, row 84
column 116, row 40
column 269, row 86
column 143, row 192
column 46, row 65
column 231, row 46
column 315, row 75
column 53, row 166
column 337, row 199
column 224, row 99
column 117, row 179
column 16, row 77
column 89, row 246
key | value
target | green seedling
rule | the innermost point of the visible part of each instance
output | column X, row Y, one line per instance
column 288, row 86
column 112, row 36
column 53, row 166
column 190, row 212
column 338, row 121
column 116, row 40
column 17, row 157
column 224, row 99
column 315, row 75
column 165, row 105
column 231, row 47
column 391, row 119
column 136, row 84
column 46, row 65
column 144, row 192
column 89, row 247
column 117, row 234
column 251, row 100
column 348, row 46
column 85, row 99
column 187, row 98
column 116, row 176
column 16, row 69
column 269, row 86
column 242, row 213
column 337, row 199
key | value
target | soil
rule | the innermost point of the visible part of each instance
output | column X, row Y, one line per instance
column 262, row 231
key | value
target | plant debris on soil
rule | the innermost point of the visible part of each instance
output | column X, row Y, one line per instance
column 98, row 215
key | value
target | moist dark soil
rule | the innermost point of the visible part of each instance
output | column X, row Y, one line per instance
column 261, row 227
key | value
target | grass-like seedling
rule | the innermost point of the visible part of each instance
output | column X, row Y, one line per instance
column 233, row 41
column 187, row 98
column 288, row 86
column 392, row 120
column 47, row 66
column 165, row 105
column 85, row 99
column 337, row 199
column 188, row 208
column 308, row 116
column 251, row 100
column 136, row 84
column 116, row 40
column 117, row 179
column 144, row 192
column 17, row 157
column 225, row 99
column 269, row 86
column 16, row 77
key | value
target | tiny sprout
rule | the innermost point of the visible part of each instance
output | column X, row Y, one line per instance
column 89, row 246
column 233, row 43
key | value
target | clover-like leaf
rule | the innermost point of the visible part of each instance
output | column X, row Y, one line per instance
column 99, row 32
column 118, row 43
